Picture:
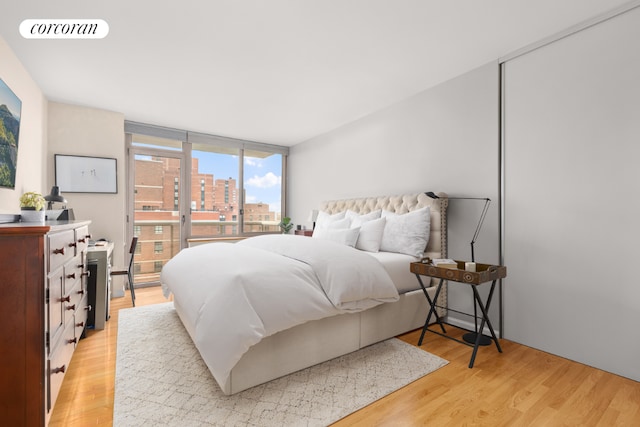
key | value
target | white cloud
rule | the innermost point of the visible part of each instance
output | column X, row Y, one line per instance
column 266, row 181
column 252, row 161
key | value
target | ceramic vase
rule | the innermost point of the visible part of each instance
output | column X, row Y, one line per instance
column 32, row 215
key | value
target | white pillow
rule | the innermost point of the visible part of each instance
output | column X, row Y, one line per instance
column 345, row 236
column 407, row 233
column 334, row 225
column 370, row 235
column 357, row 219
column 324, row 219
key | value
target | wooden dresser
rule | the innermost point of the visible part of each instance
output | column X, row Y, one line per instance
column 43, row 312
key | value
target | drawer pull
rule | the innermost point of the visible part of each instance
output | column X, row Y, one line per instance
column 66, row 299
column 82, row 240
column 59, row 370
column 88, row 308
column 58, row 251
column 80, row 324
column 73, row 341
column 86, row 273
column 81, row 291
column 88, row 236
column 71, row 276
column 73, row 244
column 71, row 307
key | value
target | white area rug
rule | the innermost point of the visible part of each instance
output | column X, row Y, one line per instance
column 161, row 380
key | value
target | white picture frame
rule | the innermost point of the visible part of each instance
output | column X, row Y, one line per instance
column 84, row 174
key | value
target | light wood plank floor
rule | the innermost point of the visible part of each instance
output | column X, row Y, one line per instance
column 520, row 387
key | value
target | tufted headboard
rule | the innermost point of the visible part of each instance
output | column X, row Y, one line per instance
column 437, row 245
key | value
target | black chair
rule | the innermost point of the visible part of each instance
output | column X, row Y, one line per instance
column 129, row 271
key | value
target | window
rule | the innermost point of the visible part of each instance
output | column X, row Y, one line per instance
column 226, row 178
column 263, row 190
column 157, row 266
column 155, row 207
column 214, row 194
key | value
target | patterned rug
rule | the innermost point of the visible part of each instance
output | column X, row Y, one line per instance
column 161, row 380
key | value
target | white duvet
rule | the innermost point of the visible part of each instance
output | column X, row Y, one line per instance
column 234, row 294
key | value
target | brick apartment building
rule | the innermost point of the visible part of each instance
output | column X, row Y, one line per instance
column 214, row 212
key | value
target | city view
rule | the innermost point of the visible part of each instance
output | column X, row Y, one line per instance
column 214, row 205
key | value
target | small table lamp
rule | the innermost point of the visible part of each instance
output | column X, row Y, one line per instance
column 54, row 196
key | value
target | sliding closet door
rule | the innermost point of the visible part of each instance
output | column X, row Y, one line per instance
column 572, row 196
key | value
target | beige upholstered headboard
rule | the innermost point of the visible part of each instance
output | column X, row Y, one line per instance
column 437, row 245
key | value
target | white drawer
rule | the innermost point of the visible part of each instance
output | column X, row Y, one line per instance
column 80, row 321
column 61, row 248
column 82, row 238
column 59, row 363
column 55, row 307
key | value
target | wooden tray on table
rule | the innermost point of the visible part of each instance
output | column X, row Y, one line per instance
column 483, row 273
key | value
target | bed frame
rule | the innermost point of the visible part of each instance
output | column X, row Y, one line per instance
column 318, row 341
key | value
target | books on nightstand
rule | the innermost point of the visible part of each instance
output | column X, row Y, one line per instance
column 444, row 263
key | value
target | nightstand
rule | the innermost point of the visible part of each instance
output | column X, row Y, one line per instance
column 484, row 273
column 307, row 233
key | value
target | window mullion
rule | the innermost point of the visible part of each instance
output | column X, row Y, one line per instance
column 241, row 192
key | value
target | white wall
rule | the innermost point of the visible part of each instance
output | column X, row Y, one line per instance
column 32, row 142
column 443, row 139
column 83, row 131
column 50, row 128
column 572, row 181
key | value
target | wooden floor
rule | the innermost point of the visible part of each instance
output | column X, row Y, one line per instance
column 520, row 387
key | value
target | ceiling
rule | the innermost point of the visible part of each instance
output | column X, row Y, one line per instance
column 275, row 71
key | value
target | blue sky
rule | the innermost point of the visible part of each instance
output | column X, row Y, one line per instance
column 8, row 98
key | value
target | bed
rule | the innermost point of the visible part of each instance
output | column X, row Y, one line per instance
column 271, row 305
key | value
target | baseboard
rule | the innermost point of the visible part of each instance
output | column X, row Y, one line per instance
column 470, row 326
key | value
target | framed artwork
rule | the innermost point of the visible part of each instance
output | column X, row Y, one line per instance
column 10, row 110
column 83, row 174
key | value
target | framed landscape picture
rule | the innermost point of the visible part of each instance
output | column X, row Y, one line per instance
column 83, row 174
column 10, row 110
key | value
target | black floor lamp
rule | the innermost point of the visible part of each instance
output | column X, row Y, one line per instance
column 471, row 336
